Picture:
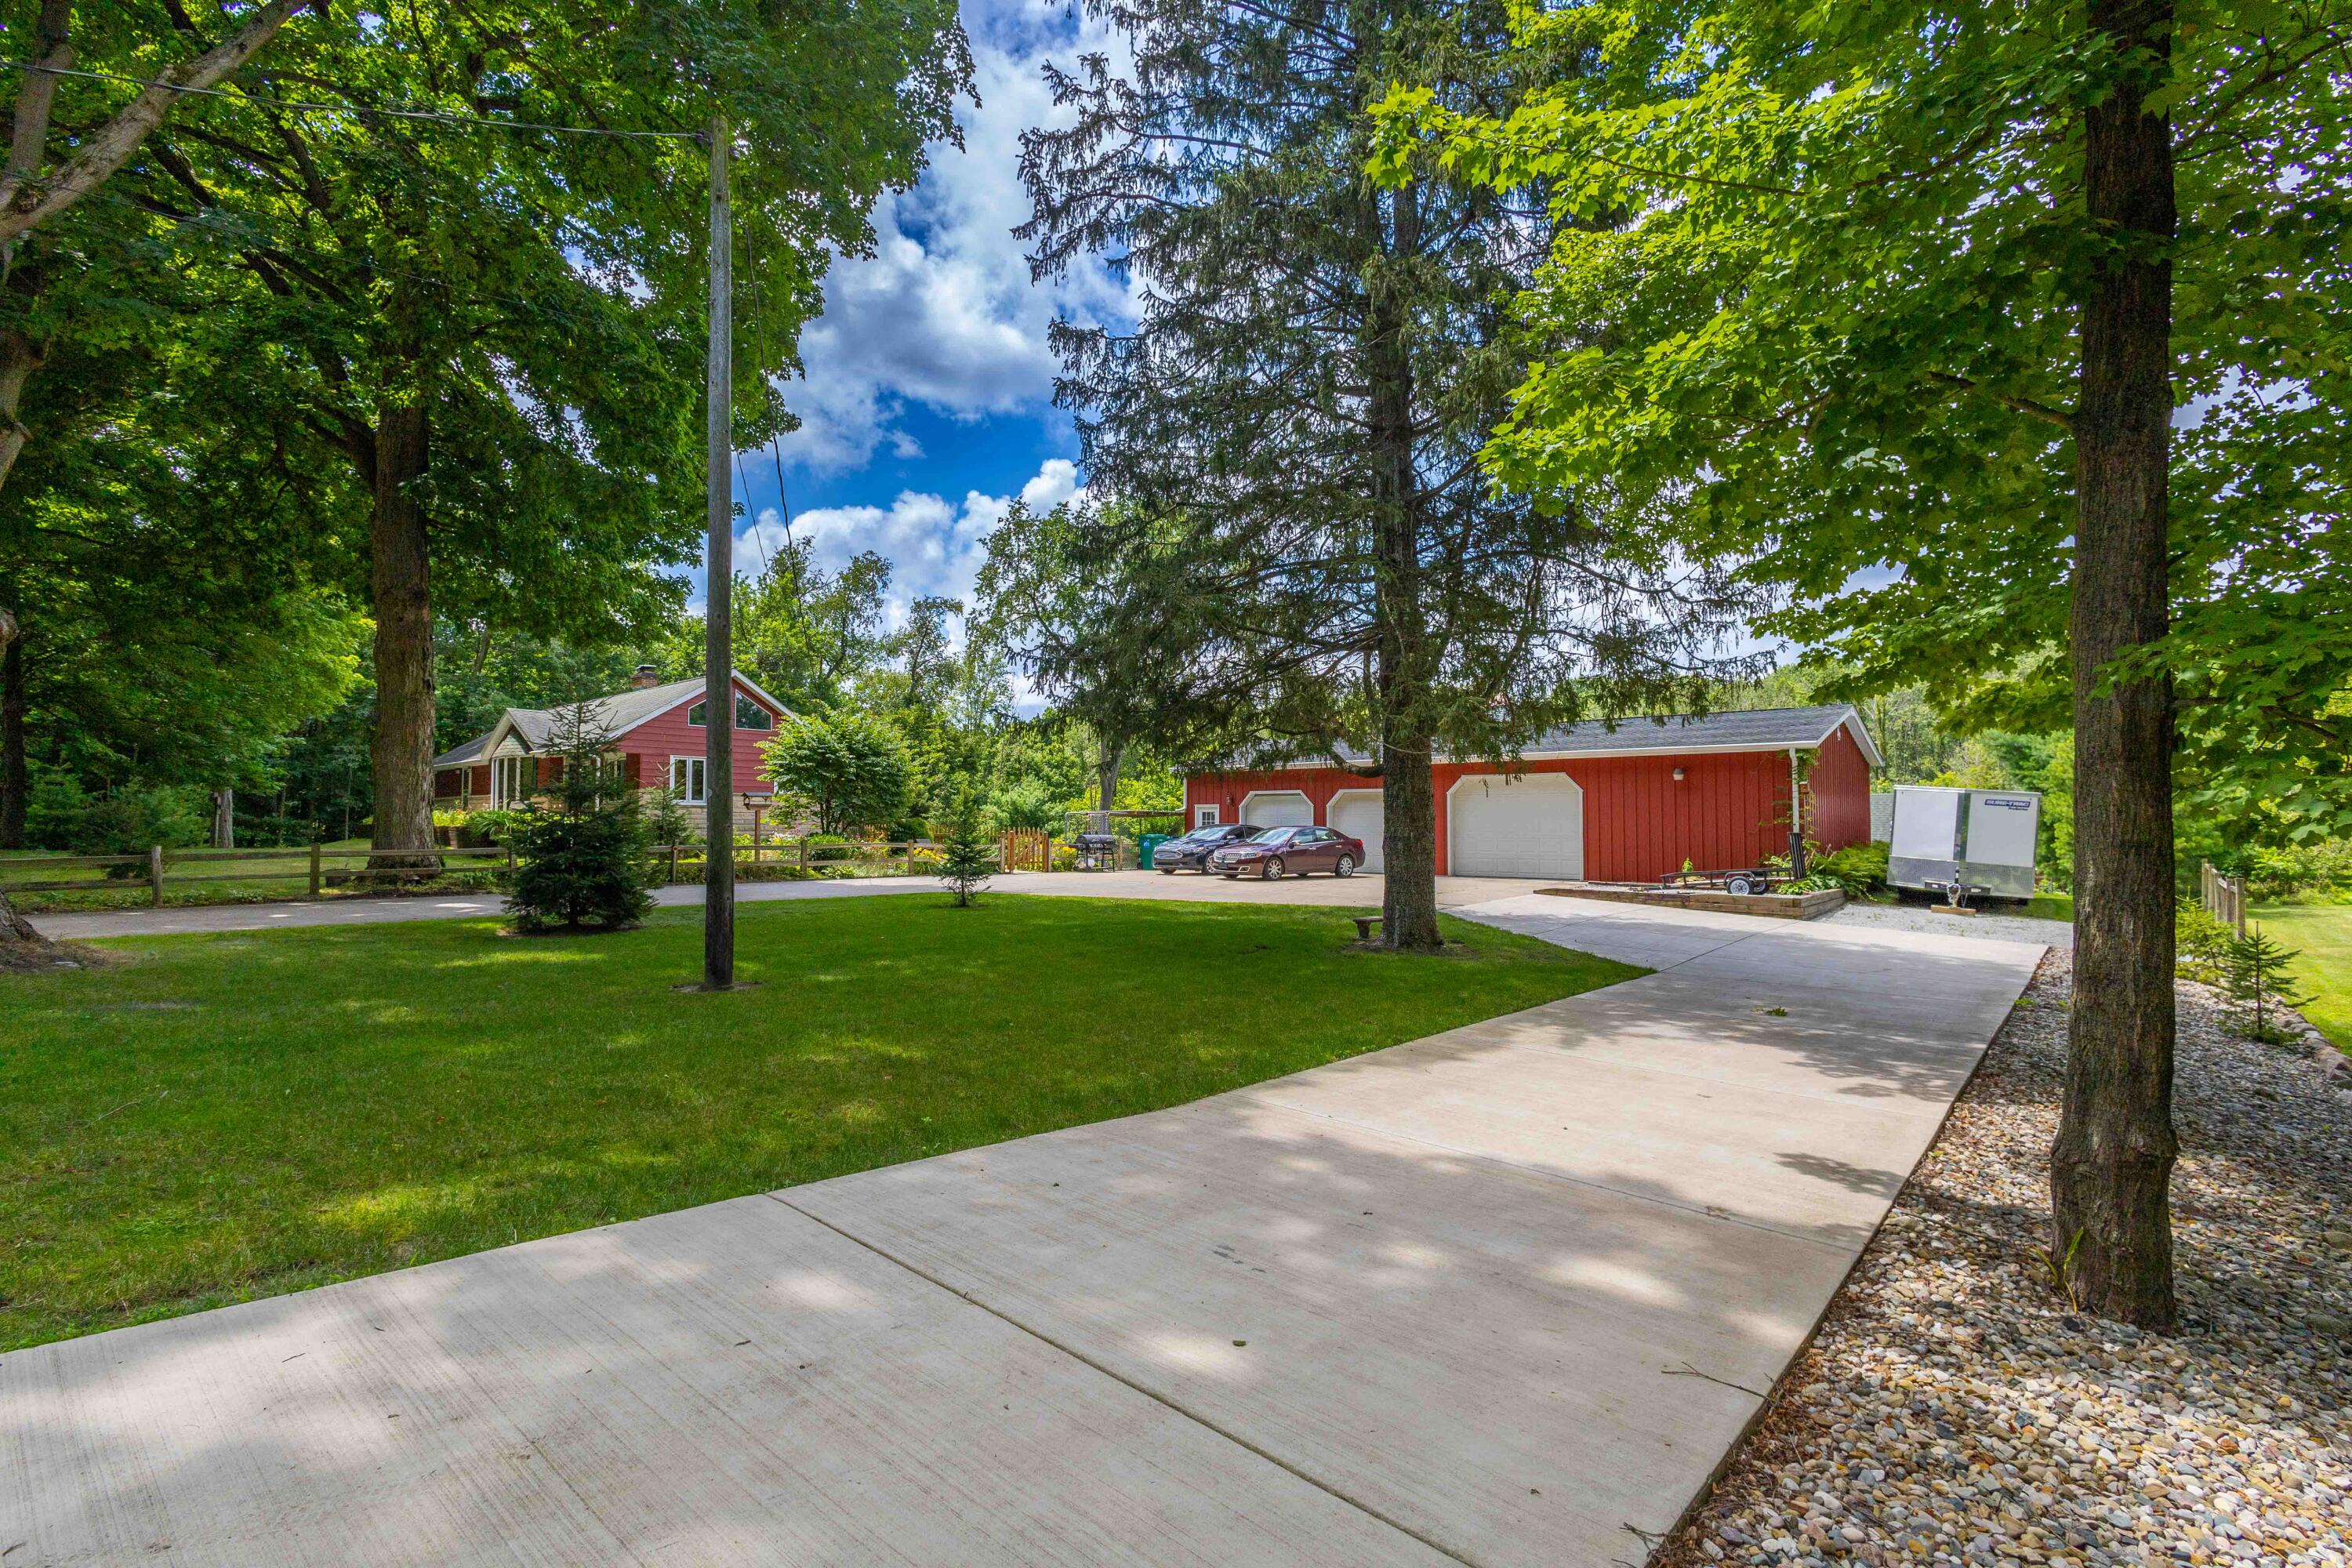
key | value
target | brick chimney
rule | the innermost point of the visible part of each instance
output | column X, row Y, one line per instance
column 646, row 676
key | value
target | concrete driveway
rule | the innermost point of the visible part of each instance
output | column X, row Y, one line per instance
column 1504, row 1295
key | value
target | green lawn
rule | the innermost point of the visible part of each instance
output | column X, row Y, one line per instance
column 2324, row 934
column 224, row 1116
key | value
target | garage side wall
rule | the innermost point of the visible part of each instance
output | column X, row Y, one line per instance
column 1838, row 814
column 1640, row 822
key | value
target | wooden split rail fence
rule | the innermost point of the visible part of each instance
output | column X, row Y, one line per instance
column 159, row 868
column 2224, row 898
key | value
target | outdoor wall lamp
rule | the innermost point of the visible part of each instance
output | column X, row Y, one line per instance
column 1678, row 775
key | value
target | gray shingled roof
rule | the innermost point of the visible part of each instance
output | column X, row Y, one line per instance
column 1752, row 729
column 622, row 710
column 1756, row 729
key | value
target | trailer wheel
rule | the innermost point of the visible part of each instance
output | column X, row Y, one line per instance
column 1740, row 885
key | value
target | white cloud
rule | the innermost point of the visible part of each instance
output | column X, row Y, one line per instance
column 943, row 313
column 935, row 546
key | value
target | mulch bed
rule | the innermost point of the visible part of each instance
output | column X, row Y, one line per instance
column 1952, row 1409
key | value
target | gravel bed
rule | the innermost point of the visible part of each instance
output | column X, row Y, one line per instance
column 1952, row 1410
column 1918, row 917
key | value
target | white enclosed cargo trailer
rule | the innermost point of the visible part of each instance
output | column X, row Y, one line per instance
column 1964, row 841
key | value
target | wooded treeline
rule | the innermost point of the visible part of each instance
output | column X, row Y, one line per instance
column 400, row 324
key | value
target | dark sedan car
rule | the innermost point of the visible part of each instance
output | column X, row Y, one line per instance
column 1279, row 852
column 1191, row 852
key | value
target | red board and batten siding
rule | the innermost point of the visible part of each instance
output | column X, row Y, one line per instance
column 1729, row 810
column 1838, row 794
column 668, row 735
column 645, row 753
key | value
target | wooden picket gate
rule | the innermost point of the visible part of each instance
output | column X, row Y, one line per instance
column 1025, row 849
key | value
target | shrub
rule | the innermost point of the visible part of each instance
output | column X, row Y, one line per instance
column 825, row 847
column 54, row 805
column 847, row 769
column 131, row 821
column 581, row 866
column 2200, row 945
column 2318, row 870
column 490, row 829
column 666, row 822
column 1859, row 870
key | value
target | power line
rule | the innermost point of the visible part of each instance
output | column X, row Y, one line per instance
column 754, row 513
column 296, row 105
column 759, row 344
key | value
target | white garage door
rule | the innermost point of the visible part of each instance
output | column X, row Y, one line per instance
column 1532, row 825
column 1357, row 814
column 1278, row 808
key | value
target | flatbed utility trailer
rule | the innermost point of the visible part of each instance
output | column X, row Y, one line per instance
column 1964, row 843
column 1743, row 880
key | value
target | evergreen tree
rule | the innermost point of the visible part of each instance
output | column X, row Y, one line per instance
column 967, row 859
column 1304, row 547
column 2255, row 975
column 581, row 866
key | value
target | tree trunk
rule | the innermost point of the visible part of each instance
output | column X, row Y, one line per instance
column 20, row 356
column 402, row 754
column 20, row 945
column 225, row 818
column 1408, row 789
column 2112, row 1163
column 14, row 779
column 1108, row 755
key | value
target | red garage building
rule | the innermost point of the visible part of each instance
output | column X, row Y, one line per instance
column 1628, row 802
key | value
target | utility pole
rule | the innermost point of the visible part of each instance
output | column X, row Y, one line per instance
column 719, row 591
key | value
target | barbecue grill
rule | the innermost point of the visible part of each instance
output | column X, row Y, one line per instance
column 1097, row 851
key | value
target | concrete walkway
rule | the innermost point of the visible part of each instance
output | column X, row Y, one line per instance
column 1504, row 1295
column 1451, row 891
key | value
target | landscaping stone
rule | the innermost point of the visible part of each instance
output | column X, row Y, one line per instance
column 1953, row 1410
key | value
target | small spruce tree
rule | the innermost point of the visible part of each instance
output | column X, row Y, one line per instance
column 2256, row 978
column 966, row 860
column 580, row 865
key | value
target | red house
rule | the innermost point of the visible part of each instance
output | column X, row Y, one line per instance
column 1629, row 802
column 658, row 734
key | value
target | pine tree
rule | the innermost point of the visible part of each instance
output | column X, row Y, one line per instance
column 581, row 866
column 967, row 861
column 1305, row 549
column 2255, row 976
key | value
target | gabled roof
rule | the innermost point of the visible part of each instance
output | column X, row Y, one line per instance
column 1750, row 730
column 620, row 713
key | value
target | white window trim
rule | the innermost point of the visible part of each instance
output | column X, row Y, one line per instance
column 503, row 792
column 743, row 700
column 683, row 788
column 1204, row 817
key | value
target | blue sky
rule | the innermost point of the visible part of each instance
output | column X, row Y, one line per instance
column 927, row 404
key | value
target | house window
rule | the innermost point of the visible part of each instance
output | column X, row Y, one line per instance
column 1204, row 817
column 510, row 779
column 685, row 780
column 749, row 715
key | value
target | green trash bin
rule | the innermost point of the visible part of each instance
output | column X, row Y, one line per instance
column 1151, row 841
